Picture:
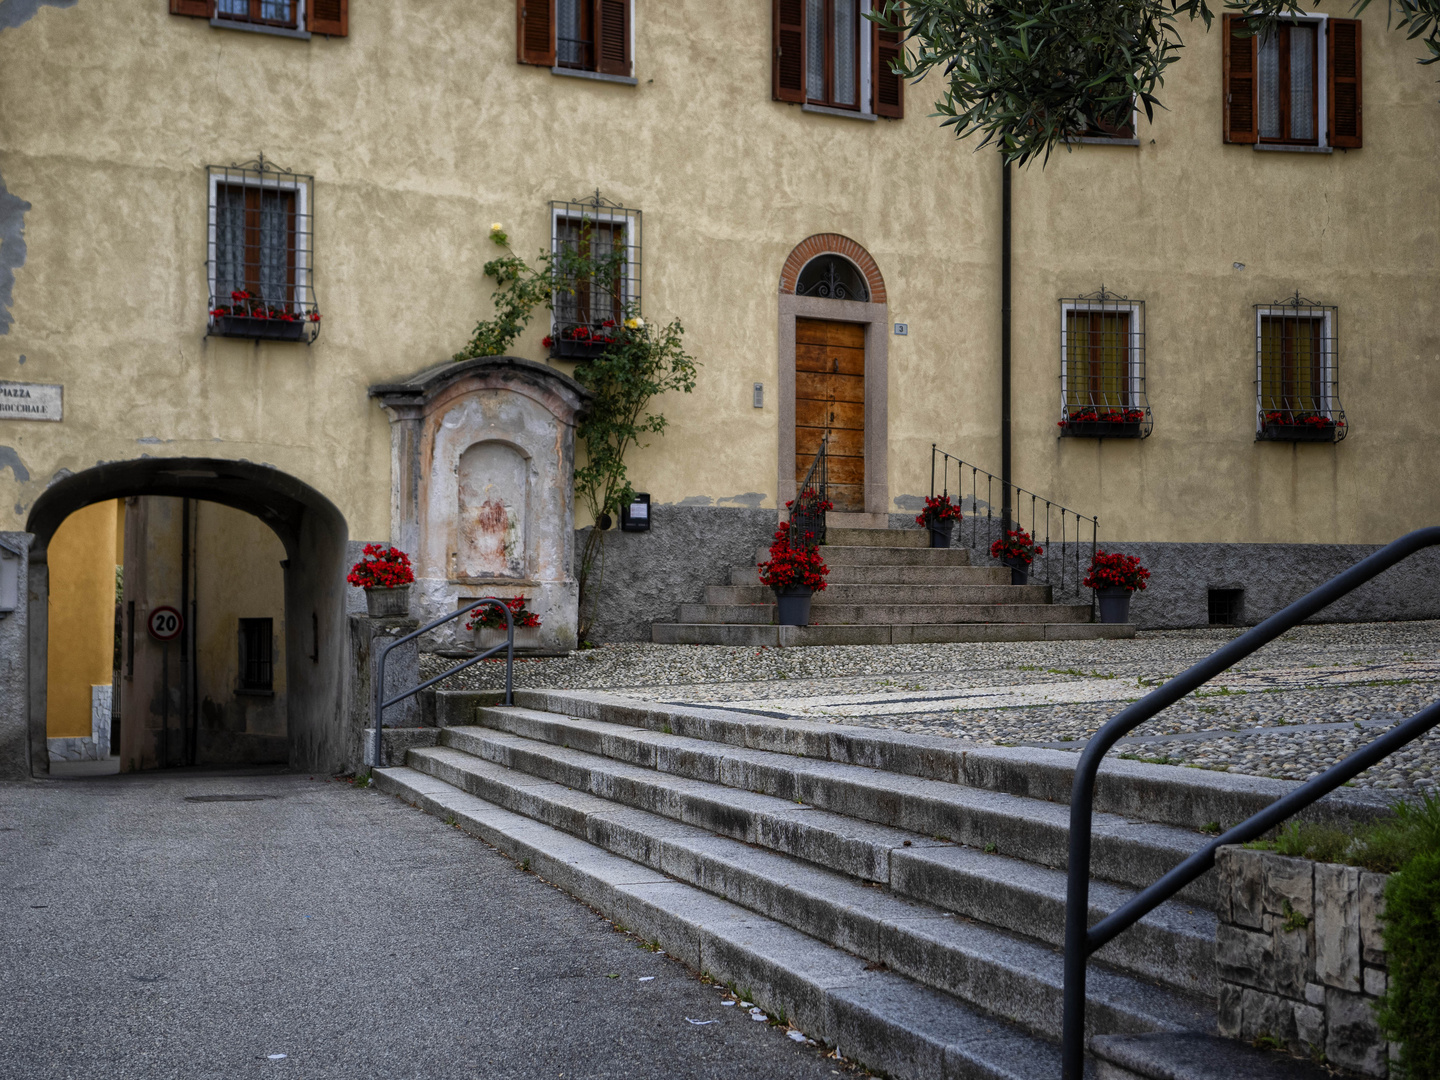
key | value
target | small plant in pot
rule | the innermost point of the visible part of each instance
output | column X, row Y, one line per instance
column 939, row 512
column 1114, row 577
column 385, row 575
column 488, row 623
column 795, row 573
column 1016, row 549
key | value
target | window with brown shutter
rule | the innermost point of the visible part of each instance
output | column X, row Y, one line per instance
column 330, row 17
column 1239, row 85
column 199, row 9
column 281, row 13
column 788, row 72
column 576, row 35
column 1344, row 98
column 889, row 88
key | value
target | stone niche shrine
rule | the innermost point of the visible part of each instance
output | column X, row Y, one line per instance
column 482, row 469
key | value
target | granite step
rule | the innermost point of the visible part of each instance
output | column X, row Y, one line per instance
column 887, row 1022
column 1019, row 979
column 759, row 635
column 1174, row 945
column 852, row 574
column 891, row 614
column 877, row 538
column 888, row 595
column 884, row 556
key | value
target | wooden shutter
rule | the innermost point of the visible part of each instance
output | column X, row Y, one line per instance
column 612, row 37
column 328, row 17
column 536, row 37
column 889, row 88
column 200, row 9
column 788, row 63
column 1343, row 43
column 1242, row 113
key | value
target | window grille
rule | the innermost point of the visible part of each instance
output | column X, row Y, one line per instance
column 1297, row 383
column 261, row 253
column 257, row 665
column 1226, row 607
column 1102, row 367
column 832, row 276
column 605, row 236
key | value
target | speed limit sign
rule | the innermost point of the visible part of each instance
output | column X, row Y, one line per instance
column 165, row 624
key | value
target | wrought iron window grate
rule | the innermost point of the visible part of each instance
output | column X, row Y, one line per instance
column 1102, row 367
column 257, row 659
column 261, row 253
column 597, row 250
column 834, row 277
column 1297, row 365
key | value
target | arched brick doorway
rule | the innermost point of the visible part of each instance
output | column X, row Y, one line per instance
column 313, row 534
column 833, row 373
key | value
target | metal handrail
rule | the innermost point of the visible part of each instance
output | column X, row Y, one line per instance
column 809, row 514
column 1063, row 571
column 508, row 645
column 1082, row 940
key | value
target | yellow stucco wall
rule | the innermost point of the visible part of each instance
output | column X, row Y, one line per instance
column 420, row 130
column 82, row 615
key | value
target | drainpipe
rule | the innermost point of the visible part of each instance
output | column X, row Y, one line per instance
column 1006, row 506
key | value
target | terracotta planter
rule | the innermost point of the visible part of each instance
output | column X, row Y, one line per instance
column 388, row 603
column 1114, row 604
column 793, row 606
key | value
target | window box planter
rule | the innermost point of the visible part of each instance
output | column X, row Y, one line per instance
column 576, row 350
column 242, row 326
column 526, row 637
column 1101, row 429
column 1297, row 433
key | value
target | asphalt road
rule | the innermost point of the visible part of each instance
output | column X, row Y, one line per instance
column 199, row 924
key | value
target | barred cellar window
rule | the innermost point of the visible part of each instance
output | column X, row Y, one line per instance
column 1102, row 367
column 257, row 663
column 604, row 238
column 576, row 35
column 1298, row 86
column 261, row 258
column 826, row 55
column 1297, row 380
column 328, row 17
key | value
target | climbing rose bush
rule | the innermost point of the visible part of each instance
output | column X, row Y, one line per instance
column 1116, row 571
column 382, row 568
column 1017, row 544
column 794, row 567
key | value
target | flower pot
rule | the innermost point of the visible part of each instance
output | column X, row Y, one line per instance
column 1114, row 604
column 1101, row 429
column 526, row 637
column 793, row 606
column 243, row 326
column 1019, row 571
column 1297, row 433
column 388, row 603
column 570, row 349
column 940, row 532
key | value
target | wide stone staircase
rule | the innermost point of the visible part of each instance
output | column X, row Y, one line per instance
column 899, row 897
column 886, row 586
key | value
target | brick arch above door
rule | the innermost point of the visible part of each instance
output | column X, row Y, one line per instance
column 874, row 317
column 832, row 244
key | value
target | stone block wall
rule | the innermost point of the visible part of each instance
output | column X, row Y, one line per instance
column 1300, row 957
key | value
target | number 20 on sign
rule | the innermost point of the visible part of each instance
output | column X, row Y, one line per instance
column 165, row 624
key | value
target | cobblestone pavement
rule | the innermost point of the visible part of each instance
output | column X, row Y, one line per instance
column 1291, row 709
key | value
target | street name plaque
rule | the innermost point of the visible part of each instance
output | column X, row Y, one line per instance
column 31, row 401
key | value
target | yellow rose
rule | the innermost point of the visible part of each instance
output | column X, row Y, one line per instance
column 495, row 226
column 634, row 324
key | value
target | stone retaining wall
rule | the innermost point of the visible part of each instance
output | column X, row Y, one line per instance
column 1300, row 957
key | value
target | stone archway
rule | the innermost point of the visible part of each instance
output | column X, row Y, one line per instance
column 313, row 533
column 870, row 317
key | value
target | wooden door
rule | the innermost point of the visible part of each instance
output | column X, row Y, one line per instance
column 830, row 397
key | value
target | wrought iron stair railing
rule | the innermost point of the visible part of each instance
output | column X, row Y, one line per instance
column 1081, row 939
column 812, row 499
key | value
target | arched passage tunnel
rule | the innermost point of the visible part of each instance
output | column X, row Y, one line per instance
column 313, row 534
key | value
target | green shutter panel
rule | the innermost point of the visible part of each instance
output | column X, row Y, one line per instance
column 1343, row 42
column 788, row 61
column 1239, row 84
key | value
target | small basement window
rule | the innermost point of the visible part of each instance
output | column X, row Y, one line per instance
column 597, row 248
column 261, row 264
column 1296, row 380
column 1102, row 367
column 257, row 663
column 1227, row 607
